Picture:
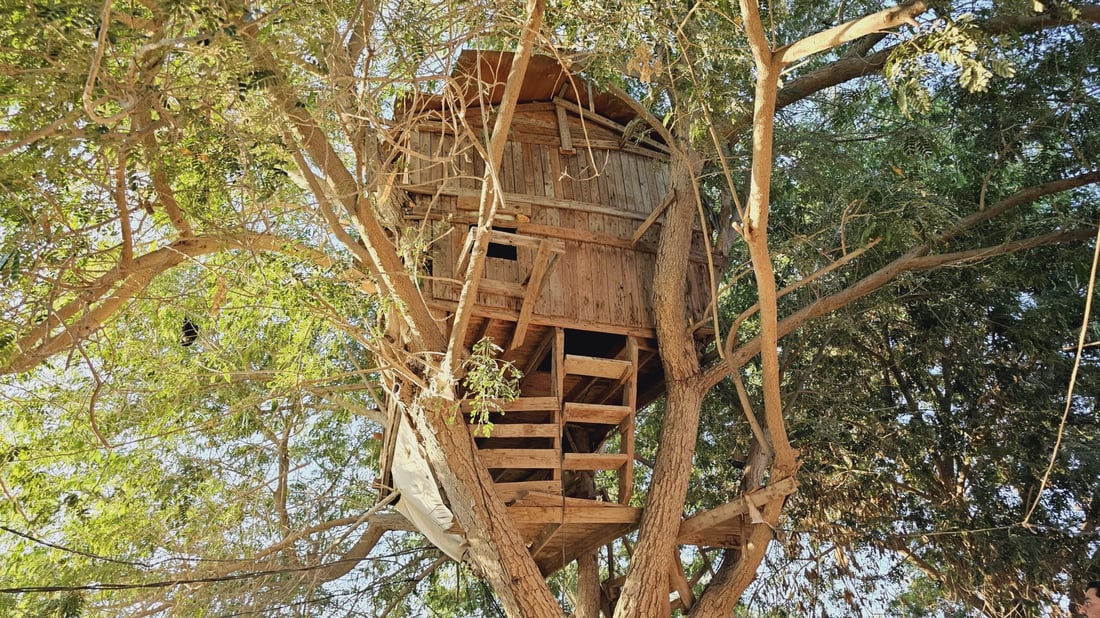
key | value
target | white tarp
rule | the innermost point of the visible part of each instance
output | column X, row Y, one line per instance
column 421, row 502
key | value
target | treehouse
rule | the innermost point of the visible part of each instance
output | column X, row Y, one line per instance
column 565, row 290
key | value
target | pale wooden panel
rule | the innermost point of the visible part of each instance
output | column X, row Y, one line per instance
column 576, row 412
column 601, row 160
column 531, row 404
column 529, row 171
column 591, row 461
column 624, row 301
column 610, row 368
column 515, row 430
column 518, row 458
column 545, row 154
column 557, row 167
column 616, row 186
column 562, row 164
column 512, row 491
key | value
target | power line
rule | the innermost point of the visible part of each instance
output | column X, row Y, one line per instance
column 167, row 583
column 75, row 551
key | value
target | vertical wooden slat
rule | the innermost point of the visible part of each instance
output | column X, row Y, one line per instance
column 545, row 155
column 557, row 375
column 563, row 131
column 630, row 390
column 517, row 168
column 603, row 159
column 620, row 198
column 528, row 170
column 630, row 179
column 555, row 173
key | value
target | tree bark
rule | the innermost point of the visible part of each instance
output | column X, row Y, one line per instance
column 588, row 586
column 497, row 550
column 645, row 592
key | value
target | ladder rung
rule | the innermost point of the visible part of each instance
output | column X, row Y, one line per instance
column 595, row 413
column 532, row 404
column 519, row 458
column 522, row 404
column 492, row 286
column 511, row 491
column 594, row 461
column 611, row 368
column 515, row 430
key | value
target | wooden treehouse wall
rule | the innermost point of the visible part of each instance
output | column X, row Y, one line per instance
column 594, row 198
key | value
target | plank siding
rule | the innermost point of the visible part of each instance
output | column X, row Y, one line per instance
column 600, row 279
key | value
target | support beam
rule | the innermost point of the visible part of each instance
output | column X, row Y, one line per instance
column 545, row 256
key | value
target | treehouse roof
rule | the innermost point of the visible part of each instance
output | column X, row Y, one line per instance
column 545, row 80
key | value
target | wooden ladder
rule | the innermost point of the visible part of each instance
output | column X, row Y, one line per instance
column 547, row 429
column 546, row 420
column 623, row 373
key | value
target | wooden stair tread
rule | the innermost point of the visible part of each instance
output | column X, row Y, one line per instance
column 514, row 430
column 594, row 461
column 523, row 404
column 519, row 458
column 522, row 490
column 611, row 368
column 595, row 413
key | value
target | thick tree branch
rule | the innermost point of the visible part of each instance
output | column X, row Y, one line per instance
column 914, row 260
column 853, row 67
column 384, row 262
column 104, row 297
column 490, row 192
column 836, row 36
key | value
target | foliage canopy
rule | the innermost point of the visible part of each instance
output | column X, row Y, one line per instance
column 932, row 208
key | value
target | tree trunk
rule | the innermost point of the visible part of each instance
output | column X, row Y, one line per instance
column 588, row 586
column 645, row 592
column 497, row 550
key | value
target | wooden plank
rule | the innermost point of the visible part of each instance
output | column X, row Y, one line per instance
column 493, row 286
column 543, row 538
column 524, row 404
column 469, row 199
column 557, row 376
column 652, row 218
column 545, row 157
column 518, row 182
column 610, row 368
column 626, row 430
column 592, row 461
column 576, row 412
column 678, row 582
column 519, row 458
column 513, row 491
column 528, row 169
column 695, row 530
column 560, row 319
column 544, row 259
column 532, row 404
column 591, row 513
column 563, row 131
column 555, row 175
column 607, row 122
column 501, row 237
column 515, row 430
column 635, row 195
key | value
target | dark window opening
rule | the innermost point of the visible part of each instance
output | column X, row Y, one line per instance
column 501, row 250
column 588, row 343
